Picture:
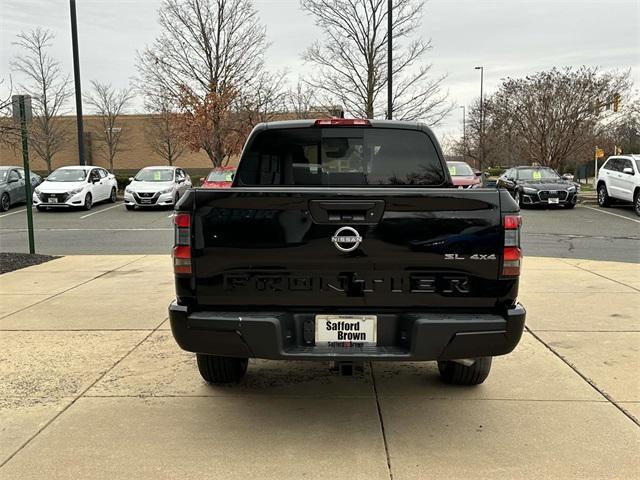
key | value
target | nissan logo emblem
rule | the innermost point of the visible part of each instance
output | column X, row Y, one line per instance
column 346, row 239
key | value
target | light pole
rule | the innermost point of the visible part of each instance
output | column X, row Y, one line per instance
column 76, row 78
column 481, row 136
column 464, row 133
column 390, row 59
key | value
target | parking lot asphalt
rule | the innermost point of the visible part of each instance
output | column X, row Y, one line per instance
column 98, row 389
column 586, row 232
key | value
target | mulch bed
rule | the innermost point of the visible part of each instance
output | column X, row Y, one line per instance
column 15, row 261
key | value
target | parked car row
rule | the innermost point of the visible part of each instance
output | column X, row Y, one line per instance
column 528, row 185
column 84, row 186
column 618, row 181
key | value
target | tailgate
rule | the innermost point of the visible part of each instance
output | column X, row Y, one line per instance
column 402, row 247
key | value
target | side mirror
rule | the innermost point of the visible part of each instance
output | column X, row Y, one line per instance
column 13, row 179
column 180, row 180
column 201, row 179
column 628, row 170
column 95, row 180
column 131, row 179
column 486, row 175
column 478, row 173
column 568, row 177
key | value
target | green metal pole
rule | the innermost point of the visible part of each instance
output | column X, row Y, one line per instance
column 27, row 173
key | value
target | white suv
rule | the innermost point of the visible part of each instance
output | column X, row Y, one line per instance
column 619, row 179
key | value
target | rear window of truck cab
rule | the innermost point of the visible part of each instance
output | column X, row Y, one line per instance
column 340, row 157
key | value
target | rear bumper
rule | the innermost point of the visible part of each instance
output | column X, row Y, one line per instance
column 401, row 337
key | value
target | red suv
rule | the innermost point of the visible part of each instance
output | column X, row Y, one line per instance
column 221, row 177
column 463, row 176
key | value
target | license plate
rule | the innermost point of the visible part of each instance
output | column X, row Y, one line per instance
column 53, row 200
column 554, row 200
column 143, row 200
column 346, row 329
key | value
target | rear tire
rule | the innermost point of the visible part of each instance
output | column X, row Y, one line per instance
column 603, row 196
column 88, row 202
column 5, row 202
column 458, row 374
column 636, row 203
column 217, row 370
column 130, row 207
column 570, row 205
column 41, row 208
column 114, row 196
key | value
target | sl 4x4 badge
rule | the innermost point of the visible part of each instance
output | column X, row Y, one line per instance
column 476, row 256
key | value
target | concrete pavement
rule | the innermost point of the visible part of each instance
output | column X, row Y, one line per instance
column 92, row 385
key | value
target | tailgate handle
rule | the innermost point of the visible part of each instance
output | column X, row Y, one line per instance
column 342, row 211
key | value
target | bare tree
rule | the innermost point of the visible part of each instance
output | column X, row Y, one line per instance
column 302, row 102
column 9, row 130
column 5, row 102
column 209, row 51
column 265, row 101
column 553, row 118
column 109, row 104
column 162, row 130
column 353, row 54
column 624, row 133
column 49, row 88
column 501, row 146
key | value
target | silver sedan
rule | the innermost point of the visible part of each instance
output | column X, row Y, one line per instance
column 156, row 187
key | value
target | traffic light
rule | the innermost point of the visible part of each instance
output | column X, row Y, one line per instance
column 616, row 102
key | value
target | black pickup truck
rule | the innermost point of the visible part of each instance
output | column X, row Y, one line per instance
column 345, row 240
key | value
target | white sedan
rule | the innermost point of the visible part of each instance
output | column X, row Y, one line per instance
column 156, row 187
column 75, row 186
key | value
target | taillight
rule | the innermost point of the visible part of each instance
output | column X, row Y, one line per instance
column 343, row 122
column 512, row 254
column 182, row 249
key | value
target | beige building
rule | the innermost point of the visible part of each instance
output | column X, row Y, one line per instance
column 134, row 152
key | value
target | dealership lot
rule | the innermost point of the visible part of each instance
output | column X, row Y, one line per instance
column 104, row 392
column 585, row 232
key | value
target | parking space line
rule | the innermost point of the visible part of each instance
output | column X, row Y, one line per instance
column 611, row 213
column 100, row 211
column 13, row 213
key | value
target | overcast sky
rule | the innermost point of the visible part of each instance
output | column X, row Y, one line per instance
column 508, row 37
